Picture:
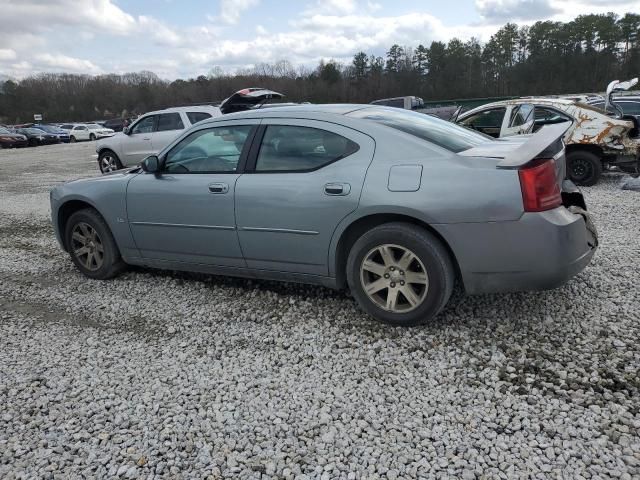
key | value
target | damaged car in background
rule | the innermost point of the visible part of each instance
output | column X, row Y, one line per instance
column 594, row 141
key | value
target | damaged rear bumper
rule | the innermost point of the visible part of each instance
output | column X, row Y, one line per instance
column 540, row 251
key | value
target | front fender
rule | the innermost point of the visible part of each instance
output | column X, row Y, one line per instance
column 107, row 195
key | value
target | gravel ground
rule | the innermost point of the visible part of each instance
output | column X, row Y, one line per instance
column 160, row 374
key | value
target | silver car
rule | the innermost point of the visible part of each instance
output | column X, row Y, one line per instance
column 392, row 204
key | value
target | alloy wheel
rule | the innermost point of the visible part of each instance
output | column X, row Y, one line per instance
column 394, row 278
column 108, row 163
column 87, row 246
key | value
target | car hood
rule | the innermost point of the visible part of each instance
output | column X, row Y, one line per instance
column 247, row 98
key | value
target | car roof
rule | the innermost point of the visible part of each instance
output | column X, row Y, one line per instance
column 294, row 111
column 193, row 108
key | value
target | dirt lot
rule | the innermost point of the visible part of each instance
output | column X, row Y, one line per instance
column 161, row 374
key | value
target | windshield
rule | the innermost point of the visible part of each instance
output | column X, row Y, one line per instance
column 34, row 131
column 4, row 130
column 93, row 126
column 440, row 132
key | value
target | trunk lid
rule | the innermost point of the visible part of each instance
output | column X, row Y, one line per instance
column 246, row 99
column 515, row 152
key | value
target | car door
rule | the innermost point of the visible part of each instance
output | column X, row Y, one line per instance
column 185, row 213
column 487, row 121
column 168, row 127
column 303, row 178
column 80, row 132
column 520, row 120
column 136, row 144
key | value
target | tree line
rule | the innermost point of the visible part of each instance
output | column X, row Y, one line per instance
column 548, row 57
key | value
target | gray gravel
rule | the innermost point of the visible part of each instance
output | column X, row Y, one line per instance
column 161, row 374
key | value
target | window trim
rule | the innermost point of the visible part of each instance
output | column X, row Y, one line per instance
column 257, row 144
column 242, row 161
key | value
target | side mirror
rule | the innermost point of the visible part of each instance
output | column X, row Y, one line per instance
column 126, row 130
column 151, row 164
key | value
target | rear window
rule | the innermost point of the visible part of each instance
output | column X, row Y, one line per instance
column 195, row 117
column 434, row 130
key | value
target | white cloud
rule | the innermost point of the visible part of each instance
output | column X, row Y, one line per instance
column 497, row 12
column 162, row 34
column 39, row 36
column 7, row 54
column 231, row 10
column 514, row 10
column 64, row 63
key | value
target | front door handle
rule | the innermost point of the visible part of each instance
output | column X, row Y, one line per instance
column 337, row 189
column 218, row 188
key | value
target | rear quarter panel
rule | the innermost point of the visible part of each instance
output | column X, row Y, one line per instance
column 453, row 189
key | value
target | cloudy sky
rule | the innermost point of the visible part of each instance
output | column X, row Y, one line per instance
column 185, row 38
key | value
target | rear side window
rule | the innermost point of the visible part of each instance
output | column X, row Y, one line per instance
column 169, row 121
column 195, row 117
column 434, row 130
column 287, row 148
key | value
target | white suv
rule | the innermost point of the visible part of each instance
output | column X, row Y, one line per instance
column 86, row 131
column 148, row 135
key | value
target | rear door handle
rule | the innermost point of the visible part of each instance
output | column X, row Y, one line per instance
column 337, row 189
column 218, row 188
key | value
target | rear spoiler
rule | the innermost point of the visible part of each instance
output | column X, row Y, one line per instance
column 538, row 143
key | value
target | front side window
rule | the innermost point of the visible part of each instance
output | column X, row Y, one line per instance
column 144, row 126
column 295, row 149
column 195, row 117
column 214, row 150
column 169, row 121
column 434, row 130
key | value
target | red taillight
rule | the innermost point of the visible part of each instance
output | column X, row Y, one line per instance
column 539, row 184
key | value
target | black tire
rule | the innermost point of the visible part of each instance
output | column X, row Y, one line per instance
column 92, row 137
column 112, row 263
column 102, row 163
column 584, row 168
column 72, row 139
column 32, row 142
column 428, row 249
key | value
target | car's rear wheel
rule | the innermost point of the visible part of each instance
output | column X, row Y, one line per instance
column 108, row 161
column 400, row 274
column 584, row 168
column 72, row 139
column 92, row 137
column 91, row 245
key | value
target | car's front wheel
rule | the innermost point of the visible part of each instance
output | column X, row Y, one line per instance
column 72, row 139
column 108, row 161
column 91, row 245
column 400, row 273
column 92, row 137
